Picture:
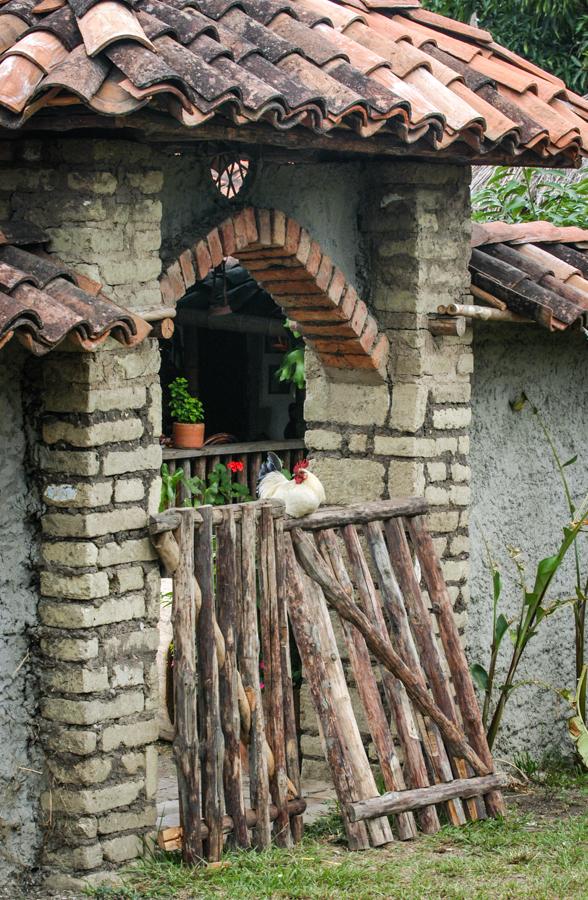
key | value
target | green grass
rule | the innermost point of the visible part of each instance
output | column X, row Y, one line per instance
column 525, row 856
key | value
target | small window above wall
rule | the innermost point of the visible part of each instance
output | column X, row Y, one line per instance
column 231, row 175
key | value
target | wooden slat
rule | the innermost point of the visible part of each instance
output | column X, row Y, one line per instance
column 238, row 450
column 185, row 743
column 395, row 692
column 258, row 763
column 367, row 688
column 212, row 737
column 290, row 734
column 410, row 595
column 358, row 514
column 397, row 801
column 226, row 564
column 302, row 610
column 462, row 679
column 313, row 564
column 394, row 604
column 273, row 673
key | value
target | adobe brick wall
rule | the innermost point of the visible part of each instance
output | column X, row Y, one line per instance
column 99, row 461
column 409, row 435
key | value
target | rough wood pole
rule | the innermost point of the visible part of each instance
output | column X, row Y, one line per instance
column 462, row 679
column 212, row 737
column 394, row 691
column 421, row 620
column 291, row 737
column 185, row 743
column 397, row 801
column 395, row 604
column 228, row 679
column 367, row 687
column 258, row 764
column 313, row 564
column 301, row 609
column 273, row 674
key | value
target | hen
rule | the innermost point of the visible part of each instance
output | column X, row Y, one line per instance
column 303, row 494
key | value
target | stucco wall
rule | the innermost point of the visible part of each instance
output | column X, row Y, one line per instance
column 518, row 501
column 20, row 753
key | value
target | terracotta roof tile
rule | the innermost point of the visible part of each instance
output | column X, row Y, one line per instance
column 366, row 65
column 538, row 269
column 42, row 302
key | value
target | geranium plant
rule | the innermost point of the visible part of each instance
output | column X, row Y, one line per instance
column 219, row 487
column 184, row 407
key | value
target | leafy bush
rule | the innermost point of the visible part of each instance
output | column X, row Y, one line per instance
column 525, row 195
column 218, row 489
column 553, row 35
column 183, row 406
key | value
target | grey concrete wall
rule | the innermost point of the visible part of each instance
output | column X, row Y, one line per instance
column 324, row 198
column 518, row 501
column 19, row 749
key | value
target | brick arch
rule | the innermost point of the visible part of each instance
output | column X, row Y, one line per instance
column 292, row 267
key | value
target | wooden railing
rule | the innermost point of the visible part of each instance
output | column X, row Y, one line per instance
column 201, row 462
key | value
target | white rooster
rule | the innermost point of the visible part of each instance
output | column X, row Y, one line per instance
column 303, row 494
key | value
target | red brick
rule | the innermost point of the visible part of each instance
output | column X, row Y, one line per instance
column 336, row 286
column 345, row 347
column 186, row 261
column 310, row 301
column 176, row 281
column 278, row 228
column 167, row 294
column 305, row 313
column 227, row 234
column 369, row 334
column 314, row 258
column 293, row 286
column 264, row 227
column 292, row 237
column 303, row 247
column 203, row 260
column 215, row 248
column 347, row 303
column 325, row 273
column 380, row 354
column 332, row 329
column 359, row 317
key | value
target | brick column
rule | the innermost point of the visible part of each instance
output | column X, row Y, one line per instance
column 99, row 464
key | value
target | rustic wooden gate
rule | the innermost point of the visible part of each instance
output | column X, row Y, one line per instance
column 232, row 679
column 360, row 559
column 241, row 573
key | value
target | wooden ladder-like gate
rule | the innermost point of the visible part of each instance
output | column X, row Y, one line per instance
column 244, row 573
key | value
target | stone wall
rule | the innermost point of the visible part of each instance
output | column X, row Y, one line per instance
column 409, row 436
column 518, row 501
column 99, row 463
column 21, row 757
column 98, row 201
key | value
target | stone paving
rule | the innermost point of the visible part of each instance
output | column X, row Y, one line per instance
column 319, row 795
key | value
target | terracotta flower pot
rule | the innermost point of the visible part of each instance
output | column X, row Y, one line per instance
column 188, row 437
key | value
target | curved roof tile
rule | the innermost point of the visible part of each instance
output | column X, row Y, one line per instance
column 385, row 67
column 42, row 302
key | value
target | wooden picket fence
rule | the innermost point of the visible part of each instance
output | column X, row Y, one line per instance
column 242, row 575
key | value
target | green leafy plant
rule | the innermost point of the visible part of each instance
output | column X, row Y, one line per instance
column 218, row 488
column 577, row 723
column 184, row 407
column 525, row 195
column 292, row 367
column 534, row 609
column 554, row 35
column 169, row 487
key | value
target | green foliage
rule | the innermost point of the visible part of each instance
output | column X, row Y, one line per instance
column 183, row 406
column 525, row 195
column 577, row 724
column 218, row 489
column 292, row 367
column 551, row 33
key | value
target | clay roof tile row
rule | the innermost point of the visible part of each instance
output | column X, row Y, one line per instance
column 537, row 269
column 370, row 66
column 42, row 302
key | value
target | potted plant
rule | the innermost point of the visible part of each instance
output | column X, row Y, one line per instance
column 188, row 416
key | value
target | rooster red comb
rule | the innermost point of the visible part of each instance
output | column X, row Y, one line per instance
column 301, row 464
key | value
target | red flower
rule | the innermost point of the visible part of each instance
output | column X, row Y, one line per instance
column 235, row 466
